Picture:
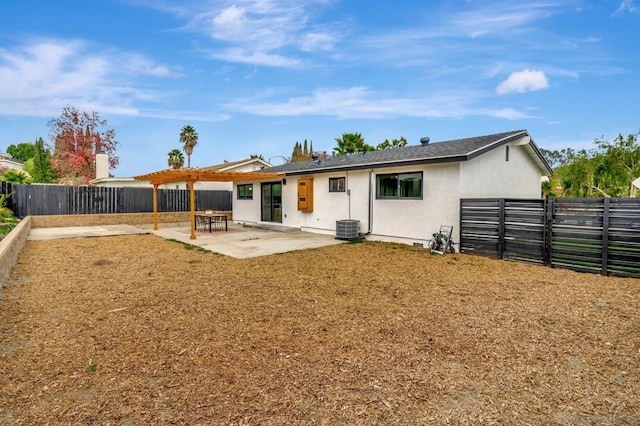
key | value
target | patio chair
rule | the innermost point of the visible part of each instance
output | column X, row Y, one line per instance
column 202, row 223
column 219, row 223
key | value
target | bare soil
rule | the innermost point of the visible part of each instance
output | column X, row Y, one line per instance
column 140, row 330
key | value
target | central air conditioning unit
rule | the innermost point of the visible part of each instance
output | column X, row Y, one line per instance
column 347, row 229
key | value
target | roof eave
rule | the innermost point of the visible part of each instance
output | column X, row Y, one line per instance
column 385, row 164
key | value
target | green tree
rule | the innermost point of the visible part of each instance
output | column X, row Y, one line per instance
column 578, row 176
column 16, row 176
column 28, row 167
column 176, row 159
column 297, row 153
column 189, row 138
column 259, row 156
column 302, row 152
column 605, row 171
column 350, row 143
column 42, row 170
column 620, row 163
column 557, row 158
column 36, row 160
column 4, row 210
column 21, row 152
column 395, row 143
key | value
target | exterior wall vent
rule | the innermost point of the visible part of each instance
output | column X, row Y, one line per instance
column 347, row 229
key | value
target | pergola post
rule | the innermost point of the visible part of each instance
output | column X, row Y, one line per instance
column 155, row 207
column 191, row 176
column 192, row 205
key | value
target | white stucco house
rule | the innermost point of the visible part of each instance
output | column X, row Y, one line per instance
column 245, row 165
column 396, row 195
column 7, row 162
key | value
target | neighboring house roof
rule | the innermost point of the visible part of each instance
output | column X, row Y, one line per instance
column 7, row 162
column 437, row 152
column 229, row 166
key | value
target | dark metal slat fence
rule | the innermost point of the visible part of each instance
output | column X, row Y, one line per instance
column 61, row 199
column 600, row 235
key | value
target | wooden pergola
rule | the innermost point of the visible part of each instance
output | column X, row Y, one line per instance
column 193, row 175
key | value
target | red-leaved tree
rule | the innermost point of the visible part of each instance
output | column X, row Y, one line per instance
column 78, row 137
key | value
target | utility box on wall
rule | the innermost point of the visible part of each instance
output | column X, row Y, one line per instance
column 305, row 194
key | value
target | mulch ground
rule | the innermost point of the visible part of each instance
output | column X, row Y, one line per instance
column 140, row 330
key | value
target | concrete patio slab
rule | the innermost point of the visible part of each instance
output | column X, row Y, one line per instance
column 239, row 241
column 245, row 242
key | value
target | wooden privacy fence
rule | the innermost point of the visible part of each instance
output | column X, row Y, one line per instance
column 61, row 199
column 599, row 235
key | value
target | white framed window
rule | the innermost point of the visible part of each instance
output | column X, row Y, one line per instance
column 245, row 191
column 399, row 185
column 337, row 184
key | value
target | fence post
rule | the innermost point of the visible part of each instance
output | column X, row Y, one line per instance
column 549, row 210
column 605, row 236
column 501, row 228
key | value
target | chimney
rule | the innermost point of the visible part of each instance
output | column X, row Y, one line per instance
column 424, row 141
column 102, row 166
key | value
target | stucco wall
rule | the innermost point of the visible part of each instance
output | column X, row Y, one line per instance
column 490, row 175
column 393, row 220
column 408, row 221
column 246, row 211
column 330, row 206
column 405, row 220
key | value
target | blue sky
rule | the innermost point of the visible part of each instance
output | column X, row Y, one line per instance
column 255, row 76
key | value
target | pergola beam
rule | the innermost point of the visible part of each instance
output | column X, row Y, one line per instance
column 198, row 175
column 191, row 176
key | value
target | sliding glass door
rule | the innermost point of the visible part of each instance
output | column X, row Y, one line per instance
column 272, row 202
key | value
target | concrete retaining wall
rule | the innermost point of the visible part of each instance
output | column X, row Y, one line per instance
column 11, row 246
column 56, row 221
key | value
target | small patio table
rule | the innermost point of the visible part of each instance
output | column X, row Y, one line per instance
column 211, row 219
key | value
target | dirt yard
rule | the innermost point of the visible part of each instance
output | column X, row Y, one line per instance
column 140, row 330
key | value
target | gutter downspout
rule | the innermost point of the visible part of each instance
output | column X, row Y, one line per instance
column 348, row 195
column 370, row 225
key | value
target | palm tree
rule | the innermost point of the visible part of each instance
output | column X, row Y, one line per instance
column 350, row 143
column 20, row 177
column 176, row 159
column 189, row 138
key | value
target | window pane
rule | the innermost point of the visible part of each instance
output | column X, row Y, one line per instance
column 245, row 192
column 388, row 185
column 403, row 185
column 336, row 184
column 411, row 185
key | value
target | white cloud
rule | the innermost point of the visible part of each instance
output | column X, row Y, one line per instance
column 523, row 81
column 245, row 56
column 362, row 102
column 509, row 114
column 500, row 17
column 44, row 75
column 627, row 6
column 317, row 41
column 262, row 32
column 136, row 64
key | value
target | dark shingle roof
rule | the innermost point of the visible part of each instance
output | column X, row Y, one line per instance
column 438, row 152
